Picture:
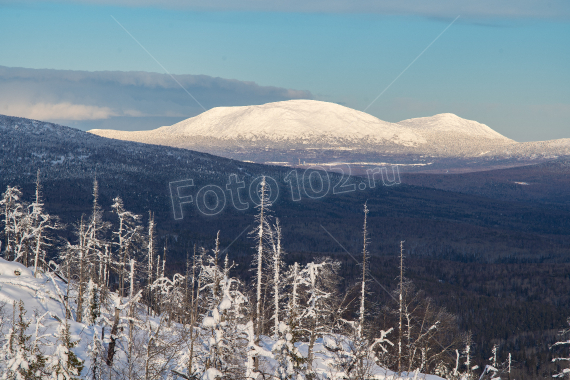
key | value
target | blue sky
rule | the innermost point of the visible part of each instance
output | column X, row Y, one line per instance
column 506, row 67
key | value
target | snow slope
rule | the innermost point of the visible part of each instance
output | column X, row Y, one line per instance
column 294, row 130
column 38, row 294
column 311, row 124
column 291, row 120
column 43, row 296
column 450, row 123
column 287, row 121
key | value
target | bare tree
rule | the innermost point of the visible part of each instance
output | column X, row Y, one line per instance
column 364, row 274
column 261, row 232
column 41, row 224
column 400, row 306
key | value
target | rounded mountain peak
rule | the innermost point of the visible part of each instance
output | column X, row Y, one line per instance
column 453, row 124
column 292, row 120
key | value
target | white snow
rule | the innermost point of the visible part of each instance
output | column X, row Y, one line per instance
column 308, row 120
column 44, row 295
column 317, row 125
column 10, row 268
column 323, row 359
column 212, row 374
column 40, row 295
column 448, row 122
column 291, row 120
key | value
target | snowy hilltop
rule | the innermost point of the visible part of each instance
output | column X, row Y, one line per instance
column 312, row 124
column 293, row 131
column 287, row 122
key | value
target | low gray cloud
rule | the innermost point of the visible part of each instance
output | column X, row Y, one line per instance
column 555, row 9
column 123, row 100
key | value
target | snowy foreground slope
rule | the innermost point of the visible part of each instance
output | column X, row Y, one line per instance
column 43, row 299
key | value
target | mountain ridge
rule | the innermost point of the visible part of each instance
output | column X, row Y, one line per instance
column 310, row 132
column 306, row 119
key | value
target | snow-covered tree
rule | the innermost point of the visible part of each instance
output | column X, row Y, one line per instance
column 497, row 369
column 17, row 225
column 261, row 233
column 150, row 258
column 12, row 212
column 321, row 281
column 286, row 329
column 92, row 309
column 96, row 356
column 277, row 259
column 26, row 226
column 362, row 311
column 222, row 332
column 22, row 355
column 352, row 356
column 41, row 223
column 127, row 240
column 63, row 364
column 428, row 335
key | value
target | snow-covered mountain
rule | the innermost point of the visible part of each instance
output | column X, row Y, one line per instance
column 294, row 122
column 453, row 125
column 288, row 121
column 294, row 131
column 311, row 124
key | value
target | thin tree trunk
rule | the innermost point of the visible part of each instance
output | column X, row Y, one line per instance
column 37, row 253
column 193, row 310
column 258, row 317
column 113, row 342
column 260, row 259
column 131, row 315
column 310, row 355
column 38, row 226
column 364, row 261
column 401, row 301
column 150, row 258
column 216, row 258
column 276, row 280
column 79, row 313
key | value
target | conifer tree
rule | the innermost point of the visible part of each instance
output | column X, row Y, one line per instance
column 24, row 359
column 63, row 363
